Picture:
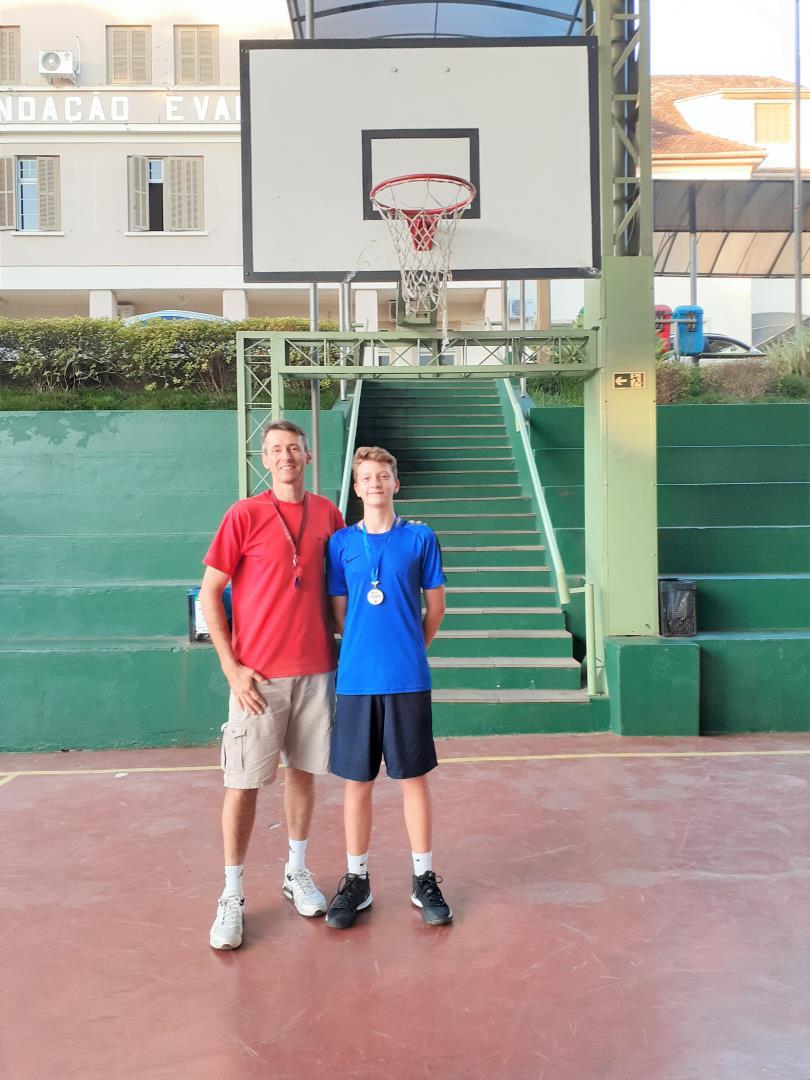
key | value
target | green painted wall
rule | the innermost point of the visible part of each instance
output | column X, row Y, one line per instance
column 734, row 515
column 105, row 518
column 654, row 685
column 104, row 521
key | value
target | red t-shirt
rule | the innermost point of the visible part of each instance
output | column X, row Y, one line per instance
column 278, row 630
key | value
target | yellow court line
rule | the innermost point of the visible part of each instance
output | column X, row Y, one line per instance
column 442, row 761
column 626, row 754
column 120, row 769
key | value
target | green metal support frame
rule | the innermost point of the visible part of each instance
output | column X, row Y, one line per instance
column 266, row 359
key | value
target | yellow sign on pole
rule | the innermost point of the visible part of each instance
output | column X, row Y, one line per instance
column 629, row 380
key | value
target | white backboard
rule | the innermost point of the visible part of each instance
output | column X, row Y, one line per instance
column 323, row 121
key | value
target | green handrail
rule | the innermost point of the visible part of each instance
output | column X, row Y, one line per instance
column 548, row 529
column 346, row 481
column 563, row 591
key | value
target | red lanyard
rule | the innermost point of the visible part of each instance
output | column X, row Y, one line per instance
column 293, row 543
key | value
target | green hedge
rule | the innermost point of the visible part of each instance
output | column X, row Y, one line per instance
column 63, row 355
column 760, row 380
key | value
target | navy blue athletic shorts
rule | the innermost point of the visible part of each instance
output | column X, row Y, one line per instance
column 368, row 727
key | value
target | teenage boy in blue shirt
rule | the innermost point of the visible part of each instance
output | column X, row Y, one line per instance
column 377, row 573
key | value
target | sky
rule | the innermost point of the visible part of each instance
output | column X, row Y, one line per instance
column 728, row 37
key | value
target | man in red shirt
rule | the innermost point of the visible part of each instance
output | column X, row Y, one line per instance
column 279, row 662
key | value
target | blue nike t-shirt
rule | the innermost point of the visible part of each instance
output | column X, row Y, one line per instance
column 383, row 649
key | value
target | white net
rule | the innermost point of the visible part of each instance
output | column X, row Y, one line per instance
column 422, row 213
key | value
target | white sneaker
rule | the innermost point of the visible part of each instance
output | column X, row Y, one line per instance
column 300, row 887
column 226, row 933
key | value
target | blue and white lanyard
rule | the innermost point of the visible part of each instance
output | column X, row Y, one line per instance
column 375, row 570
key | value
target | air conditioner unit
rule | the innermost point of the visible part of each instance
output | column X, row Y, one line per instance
column 58, row 64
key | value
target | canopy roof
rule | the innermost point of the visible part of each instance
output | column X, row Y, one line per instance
column 439, row 18
column 743, row 227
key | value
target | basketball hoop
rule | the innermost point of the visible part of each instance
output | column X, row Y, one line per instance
column 422, row 211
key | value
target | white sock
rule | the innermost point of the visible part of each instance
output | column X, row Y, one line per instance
column 297, row 857
column 358, row 864
column 233, row 880
column 422, row 863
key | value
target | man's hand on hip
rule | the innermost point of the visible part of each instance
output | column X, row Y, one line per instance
column 242, row 681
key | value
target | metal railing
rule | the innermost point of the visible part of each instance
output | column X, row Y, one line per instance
column 346, row 481
column 551, row 539
column 564, row 593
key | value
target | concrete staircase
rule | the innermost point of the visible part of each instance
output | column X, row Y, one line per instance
column 503, row 658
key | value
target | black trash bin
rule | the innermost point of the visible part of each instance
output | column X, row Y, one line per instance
column 677, row 607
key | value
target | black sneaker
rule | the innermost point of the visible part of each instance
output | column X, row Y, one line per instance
column 353, row 895
column 428, row 896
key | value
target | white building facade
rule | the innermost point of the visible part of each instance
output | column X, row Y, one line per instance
column 120, row 166
column 120, row 170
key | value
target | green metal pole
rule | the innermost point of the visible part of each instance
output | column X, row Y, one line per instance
column 277, row 359
column 621, row 524
column 241, row 417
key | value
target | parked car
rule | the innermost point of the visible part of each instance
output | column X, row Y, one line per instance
column 720, row 348
column 171, row 315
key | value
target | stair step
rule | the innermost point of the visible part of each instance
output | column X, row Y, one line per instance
column 113, row 608
column 702, row 505
column 452, row 476
column 485, row 522
column 504, row 618
column 507, row 697
column 464, row 501
column 457, row 491
column 482, row 643
column 557, row 662
column 72, row 512
column 484, row 409
column 397, row 402
column 511, row 597
column 99, row 557
column 487, row 506
column 496, row 576
column 528, row 673
column 460, row 424
column 431, row 456
column 727, row 549
column 682, row 464
column 458, row 539
column 463, row 558
column 743, row 602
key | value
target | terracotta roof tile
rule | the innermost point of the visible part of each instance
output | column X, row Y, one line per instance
column 671, row 134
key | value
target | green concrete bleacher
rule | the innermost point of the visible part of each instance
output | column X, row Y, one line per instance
column 734, row 516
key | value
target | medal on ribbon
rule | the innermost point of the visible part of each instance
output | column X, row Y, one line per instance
column 375, row 596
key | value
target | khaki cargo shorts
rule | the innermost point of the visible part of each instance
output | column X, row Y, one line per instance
column 294, row 727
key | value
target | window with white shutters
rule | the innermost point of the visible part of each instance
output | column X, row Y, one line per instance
column 49, row 216
column 9, row 55
column 7, row 193
column 196, row 55
column 165, row 194
column 29, row 194
column 138, row 194
column 129, row 54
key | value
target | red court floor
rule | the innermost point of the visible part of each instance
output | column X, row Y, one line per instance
column 626, row 909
